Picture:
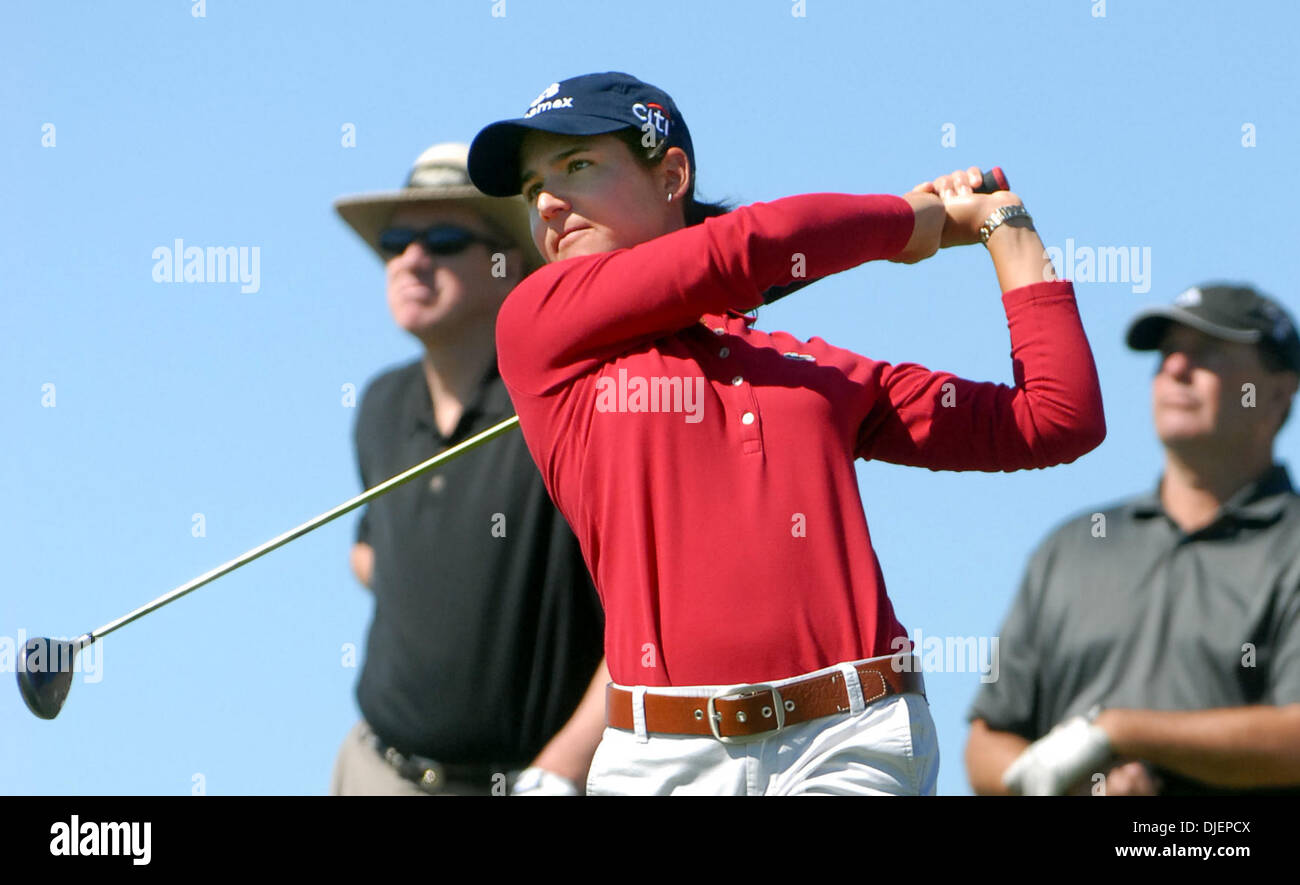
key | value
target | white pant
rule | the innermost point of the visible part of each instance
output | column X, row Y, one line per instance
column 889, row 748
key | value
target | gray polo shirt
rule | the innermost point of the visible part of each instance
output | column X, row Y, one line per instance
column 1132, row 612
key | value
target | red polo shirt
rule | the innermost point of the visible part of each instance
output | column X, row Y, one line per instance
column 706, row 467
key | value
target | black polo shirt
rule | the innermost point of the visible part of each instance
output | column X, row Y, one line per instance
column 487, row 629
column 1148, row 617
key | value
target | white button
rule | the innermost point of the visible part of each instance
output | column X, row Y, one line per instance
column 719, row 331
column 747, row 418
column 737, row 381
column 725, row 352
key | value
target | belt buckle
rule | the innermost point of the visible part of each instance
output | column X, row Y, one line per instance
column 427, row 774
column 740, row 691
column 432, row 778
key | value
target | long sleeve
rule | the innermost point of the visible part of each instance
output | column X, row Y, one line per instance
column 570, row 316
column 1052, row 415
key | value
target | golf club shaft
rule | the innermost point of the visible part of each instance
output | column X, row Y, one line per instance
column 365, row 497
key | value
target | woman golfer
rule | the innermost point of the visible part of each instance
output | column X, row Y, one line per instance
column 707, row 466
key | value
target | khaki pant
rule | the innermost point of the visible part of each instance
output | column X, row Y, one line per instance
column 360, row 771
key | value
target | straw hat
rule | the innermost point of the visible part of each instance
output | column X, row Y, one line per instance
column 439, row 175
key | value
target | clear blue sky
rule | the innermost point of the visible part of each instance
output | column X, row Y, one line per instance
column 178, row 399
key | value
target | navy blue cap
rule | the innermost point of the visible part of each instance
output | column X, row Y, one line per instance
column 593, row 104
column 1226, row 311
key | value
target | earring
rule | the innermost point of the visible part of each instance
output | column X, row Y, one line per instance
column 670, row 198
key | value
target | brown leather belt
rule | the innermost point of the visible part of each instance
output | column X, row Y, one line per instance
column 752, row 712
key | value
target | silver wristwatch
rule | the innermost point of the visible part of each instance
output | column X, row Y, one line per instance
column 1001, row 214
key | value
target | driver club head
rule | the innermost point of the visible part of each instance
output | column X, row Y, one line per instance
column 45, row 674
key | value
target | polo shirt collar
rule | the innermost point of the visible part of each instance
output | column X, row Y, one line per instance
column 711, row 320
column 1261, row 500
column 1148, row 504
column 1264, row 499
column 490, row 399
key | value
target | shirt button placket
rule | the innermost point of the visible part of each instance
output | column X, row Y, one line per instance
column 750, row 435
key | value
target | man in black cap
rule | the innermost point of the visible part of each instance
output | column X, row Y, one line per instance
column 1154, row 646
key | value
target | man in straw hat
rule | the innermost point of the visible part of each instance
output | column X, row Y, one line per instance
column 487, row 630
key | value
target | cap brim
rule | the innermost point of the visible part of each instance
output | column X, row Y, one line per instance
column 1148, row 328
column 369, row 214
column 494, row 153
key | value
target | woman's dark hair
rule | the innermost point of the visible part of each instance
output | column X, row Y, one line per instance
column 695, row 210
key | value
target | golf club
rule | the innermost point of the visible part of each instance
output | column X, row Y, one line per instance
column 45, row 665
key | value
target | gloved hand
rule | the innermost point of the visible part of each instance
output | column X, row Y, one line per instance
column 1053, row 763
column 536, row 781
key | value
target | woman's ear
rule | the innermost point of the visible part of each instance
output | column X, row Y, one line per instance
column 675, row 172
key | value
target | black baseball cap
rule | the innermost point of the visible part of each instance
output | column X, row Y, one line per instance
column 593, row 104
column 1226, row 311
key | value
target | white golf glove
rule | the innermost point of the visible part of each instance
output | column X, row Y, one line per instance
column 1053, row 763
column 540, row 782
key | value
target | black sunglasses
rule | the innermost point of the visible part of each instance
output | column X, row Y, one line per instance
column 437, row 240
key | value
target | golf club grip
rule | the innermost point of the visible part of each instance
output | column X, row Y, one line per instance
column 994, row 180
